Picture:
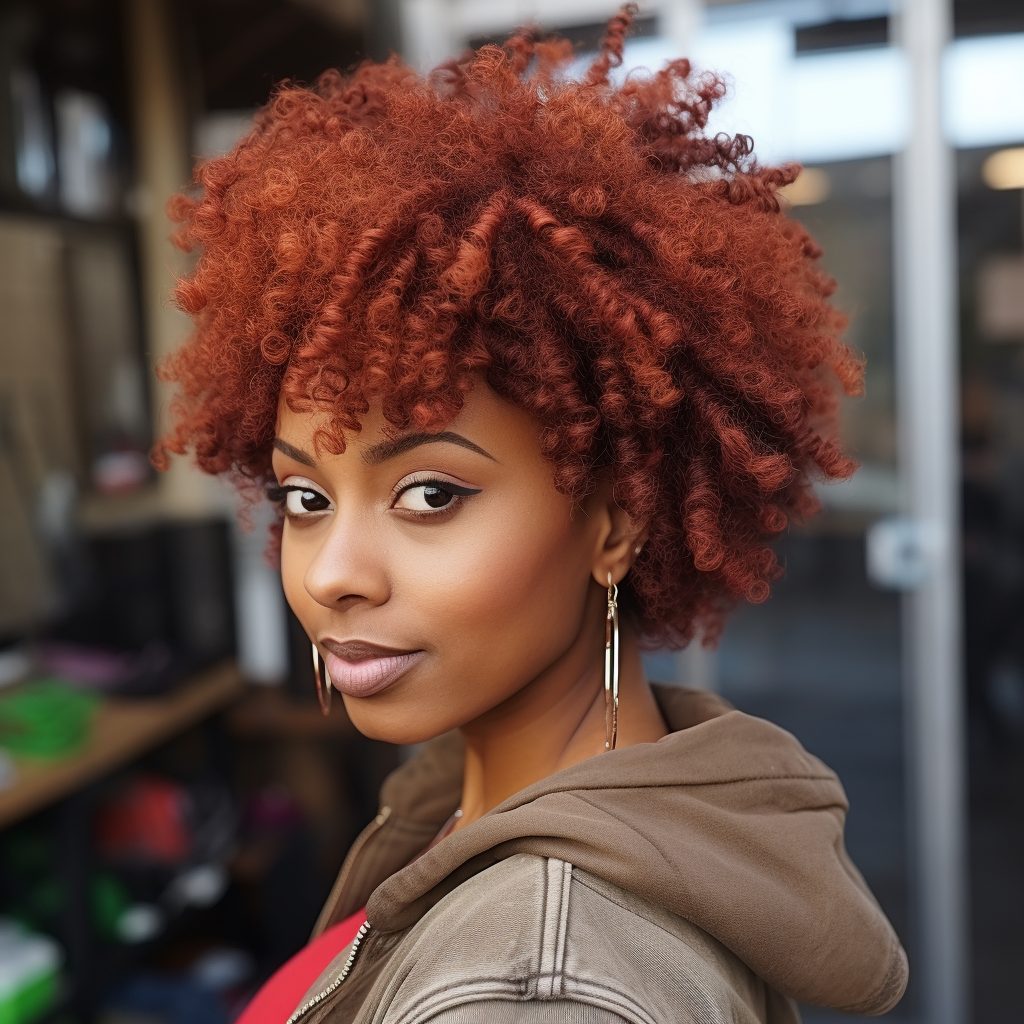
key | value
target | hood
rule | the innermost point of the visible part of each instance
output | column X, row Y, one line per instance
column 726, row 821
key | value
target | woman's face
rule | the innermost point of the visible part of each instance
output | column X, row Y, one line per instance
column 459, row 548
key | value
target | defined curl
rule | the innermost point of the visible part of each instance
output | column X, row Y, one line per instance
column 630, row 281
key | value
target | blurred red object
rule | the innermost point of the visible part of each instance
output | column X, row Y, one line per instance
column 147, row 820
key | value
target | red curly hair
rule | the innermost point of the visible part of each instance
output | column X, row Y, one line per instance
column 633, row 283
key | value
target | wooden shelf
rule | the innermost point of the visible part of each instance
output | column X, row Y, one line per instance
column 122, row 729
column 267, row 711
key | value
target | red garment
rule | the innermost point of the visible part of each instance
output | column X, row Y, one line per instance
column 280, row 993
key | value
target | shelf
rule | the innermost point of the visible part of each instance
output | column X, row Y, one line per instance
column 122, row 729
column 267, row 711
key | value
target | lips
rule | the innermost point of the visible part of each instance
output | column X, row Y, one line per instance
column 360, row 668
column 357, row 650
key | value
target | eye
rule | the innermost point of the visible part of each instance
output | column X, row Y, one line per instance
column 298, row 501
column 429, row 497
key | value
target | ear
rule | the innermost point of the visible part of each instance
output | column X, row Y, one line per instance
column 618, row 539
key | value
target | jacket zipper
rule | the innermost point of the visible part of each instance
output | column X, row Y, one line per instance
column 370, row 830
column 324, row 993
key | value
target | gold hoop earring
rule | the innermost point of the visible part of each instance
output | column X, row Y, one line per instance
column 319, row 674
column 611, row 667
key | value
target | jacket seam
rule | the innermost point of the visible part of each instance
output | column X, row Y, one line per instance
column 543, row 911
column 523, row 989
column 563, row 918
column 557, row 874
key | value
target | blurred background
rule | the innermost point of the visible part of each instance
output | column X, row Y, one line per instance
column 174, row 808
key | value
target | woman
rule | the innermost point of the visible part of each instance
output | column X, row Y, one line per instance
column 535, row 371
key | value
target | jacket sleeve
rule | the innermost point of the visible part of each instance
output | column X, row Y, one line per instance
column 533, row 1011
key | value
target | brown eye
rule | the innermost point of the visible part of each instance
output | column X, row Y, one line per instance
column 432, row 497
column 298, row 501
column 305, row 501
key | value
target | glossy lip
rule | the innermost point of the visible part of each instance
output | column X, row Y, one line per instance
column 360, row 668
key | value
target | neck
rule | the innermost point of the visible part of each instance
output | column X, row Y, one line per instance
column 557, row 720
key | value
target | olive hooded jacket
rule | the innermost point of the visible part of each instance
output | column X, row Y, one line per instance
column 699, row 878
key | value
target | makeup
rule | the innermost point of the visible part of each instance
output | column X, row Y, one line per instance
column 370, row 675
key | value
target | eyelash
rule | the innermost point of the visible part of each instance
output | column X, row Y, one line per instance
column 279, row 494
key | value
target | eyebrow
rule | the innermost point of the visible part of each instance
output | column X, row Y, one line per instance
column 389, row 449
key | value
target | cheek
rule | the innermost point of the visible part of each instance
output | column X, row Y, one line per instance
column 513, row 587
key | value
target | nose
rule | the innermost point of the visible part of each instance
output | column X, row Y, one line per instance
column 349, row 565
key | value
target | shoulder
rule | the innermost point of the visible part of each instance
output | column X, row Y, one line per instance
column 535, row 940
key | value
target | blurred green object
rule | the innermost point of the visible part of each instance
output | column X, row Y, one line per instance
column 29, row 973
column 110, row 900
column 39, row 898
column 45, row 718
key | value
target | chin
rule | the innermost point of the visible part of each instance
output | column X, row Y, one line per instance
column 390, row 726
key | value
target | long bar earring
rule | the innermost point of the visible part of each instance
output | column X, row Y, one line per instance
column 320, row 673
column 611, row 667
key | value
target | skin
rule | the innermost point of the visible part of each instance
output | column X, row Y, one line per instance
column 506, row 591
